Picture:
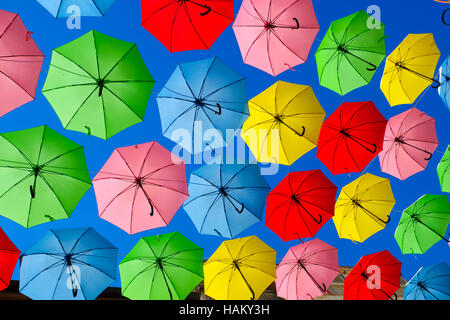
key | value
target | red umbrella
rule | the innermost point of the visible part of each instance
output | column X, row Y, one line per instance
column 300, row 205
column 20, row 63
column 182, row 25
column 351, row 137
column 375, row 277
column 9, row 255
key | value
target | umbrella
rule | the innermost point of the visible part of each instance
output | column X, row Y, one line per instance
column 226, row 199
column 188, row 24
column 363, row 207
column 68, row 264
column 98, row 85
column 275, row 36
column 162, row 267
column 375, row 277
column 443, row 171
column 9, row 254
column 87, row 8
column 410, row 69
column 240, row 269
column 300, row 205
column 444, row 79
column 43, row 176
column 350, row 53
column 307, row 270
column 351, row 137
column 430, row 283
column 409, row 143
column 423, row 224
column 284, row 123
column 201, row 97
column 20, row 63
column 141, row 187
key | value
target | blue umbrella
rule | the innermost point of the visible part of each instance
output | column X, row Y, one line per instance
column 200, row 96
column 444, row 78
column 430, row 283
column 88, row 8
column 68, row 264
column 226, row 199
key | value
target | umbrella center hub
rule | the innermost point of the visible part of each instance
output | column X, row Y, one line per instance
column 399, row 140
column 295, row 198
column 345, row 133
column 223, row 190
column 278, row 118
column 37, row 170
column 199, row 102
column 138, row 180
column 342, row 48
column 447, row 78
column 269, row 25
column 68, row 259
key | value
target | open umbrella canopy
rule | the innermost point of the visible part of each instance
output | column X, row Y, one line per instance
column 409, row 142
column 410, row 69
column 68, row 264
column 363, row 207
column 87, row 8
column 444, row 79
column 350, row 53
column 300, row 205
column 351, row 137
column 162, row 267
column 375, row 277
column 423, row 224
column 284, row 123
column 443, row 170
column 9, row 254
column 187, row 24
column 429, row 283
column 226, row 199
column 307, row 270
column 240, row 269
column 43, row 176
column 275, row 36
column 20, row 63
column 98, row 85
column 141, row 187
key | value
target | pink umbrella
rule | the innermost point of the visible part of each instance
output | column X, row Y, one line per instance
column 409, row 142
column 307, row 270
column 275, row 35
column 20, row 63
column 141, row 187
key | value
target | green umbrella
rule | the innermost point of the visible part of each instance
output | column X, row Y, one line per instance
column 165, row 267
column 443, row 171
column 423, row 224
column 98, row 85
column 350, row 52
column 43, row 176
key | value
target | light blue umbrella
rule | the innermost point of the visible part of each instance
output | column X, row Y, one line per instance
column 200, row 96
column 444, row 78
column 226, row 199
column 429, row 283
column 68, row 264
column 88, row 8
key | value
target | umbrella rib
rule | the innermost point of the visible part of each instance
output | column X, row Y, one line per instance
column 156, row 11
column 54, row 265
column 71, row 72
column 133, row 46
column 284, row 10
column 82, row 105
column 71, row 86
column 44, row 171
column 272, row 213
column 182, row 267
column 94, row 267
column 79, row 66
column 97, row 7
column 9, row 25
column 186, row 10
column 224, row 87
column 254, row 41
column 121, row 100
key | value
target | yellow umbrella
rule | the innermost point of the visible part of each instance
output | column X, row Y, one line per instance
column 363, row 207
column 284, row 123
column 240, row 269
column 410, row 69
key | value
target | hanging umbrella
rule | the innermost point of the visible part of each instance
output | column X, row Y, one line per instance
column 9, row 254
column 430, row 283
column 307, row 270
column 68, row 264
column 226, row 199
column 20, row 63
column 141, row 187
column 410, row 69
column 275, row 36
column 443, row 170
column 202, row 96
column 43, row 176
column 351, row 137
column 284, row 123
column 300, row 205
column 98, row 85
column 87, row 8
column 423, row 224
column 350, row 53
column 375, row 277
column 162, row 267
column 240, row 269
column 363, row 207
column 409, row 143
column 188, row 24
column 444, row 79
